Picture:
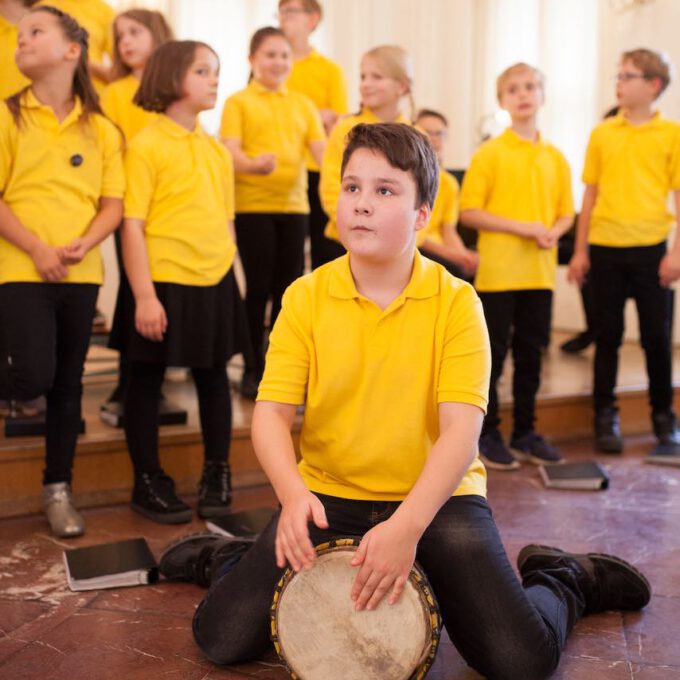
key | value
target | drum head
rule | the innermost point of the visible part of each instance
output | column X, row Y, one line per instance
column 320, row 636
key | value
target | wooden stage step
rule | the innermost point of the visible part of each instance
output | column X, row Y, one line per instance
column 103, row 473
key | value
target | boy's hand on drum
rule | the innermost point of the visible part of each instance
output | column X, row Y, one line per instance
column 293, row 544
column 386, row 554
column 150, row 319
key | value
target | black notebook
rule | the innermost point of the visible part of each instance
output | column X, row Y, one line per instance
column 579, row 476
column 110, row 565
column 245, row 524
column 665, row 454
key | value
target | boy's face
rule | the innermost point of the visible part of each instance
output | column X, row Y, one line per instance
column 632, row 88
column 522, row 95
column 436, row 130
column 377, row 214
column 295, row 21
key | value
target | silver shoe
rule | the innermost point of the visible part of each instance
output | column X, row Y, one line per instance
column 65, row 521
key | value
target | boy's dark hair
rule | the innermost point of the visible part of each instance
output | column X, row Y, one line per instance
column 405, row 148
column 653, row 65
column 82, row 84
column 164, row 74
column 432, row 114
column 156, row 24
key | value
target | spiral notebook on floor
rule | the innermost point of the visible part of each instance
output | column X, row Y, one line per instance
column 246, row 524
column 110, row 565
column 585, row 476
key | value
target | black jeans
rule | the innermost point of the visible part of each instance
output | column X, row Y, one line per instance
column 503, row 629
column 617, row 274
column 520, row 319
column 141, row 413
column 271, row 247
column 46, row 329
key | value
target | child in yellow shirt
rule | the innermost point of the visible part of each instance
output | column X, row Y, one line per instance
column 632, row 163
column 12, row 80
column 517, row 193
column 323, row 81
column 388, row 352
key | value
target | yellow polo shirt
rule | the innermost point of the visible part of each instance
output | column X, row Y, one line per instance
column 323, row 81
column 96, row 17
column 11, row 78
column 634, row 168
column 329, row 182
column 53, row 195
column 280, row 122
column 371, row 379
column 181, row 184
column 116, row 100
column 528, row 181
column 444, row 210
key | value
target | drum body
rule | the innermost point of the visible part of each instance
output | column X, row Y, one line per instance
column 320, row 636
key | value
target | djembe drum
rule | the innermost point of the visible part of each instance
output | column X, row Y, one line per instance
column 319, row 635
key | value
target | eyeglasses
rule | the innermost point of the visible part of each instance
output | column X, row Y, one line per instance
column 441, row 134
column 626, row 76
column 290, row 12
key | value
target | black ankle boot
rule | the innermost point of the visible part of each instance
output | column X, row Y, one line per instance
column 199, row 558
column 666, row 428
column 606, row 582
column 214, row 490
column 154, row 497
column 607, row 431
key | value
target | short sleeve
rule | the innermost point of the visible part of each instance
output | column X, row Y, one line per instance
column 290, row 347
column 466, row 358
column 674, row 160
column 315, row 131
column 450, row 214
column 478, row 181
column 7, row 129
column 565, row 207
column 231, row 126
column 140, row 175
column 229, row 201
column 329, row 181
column 338, row 91
column 592, row 167
column 113, row 178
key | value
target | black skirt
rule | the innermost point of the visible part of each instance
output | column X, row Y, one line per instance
column 206, row 325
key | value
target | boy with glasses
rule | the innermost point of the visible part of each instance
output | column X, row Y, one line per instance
column 632, row 162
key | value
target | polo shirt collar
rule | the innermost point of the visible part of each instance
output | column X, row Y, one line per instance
column 259, row 88
column 511, row 137
column 423, row 284
column 174, row 129
column 30, row 101
column 620, row 119
column 312, row 54
column 370, row 117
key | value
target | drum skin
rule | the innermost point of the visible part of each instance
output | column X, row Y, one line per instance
column 319, row 635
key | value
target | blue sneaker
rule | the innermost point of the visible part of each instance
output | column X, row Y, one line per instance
column 494, row 453
column 532, row 448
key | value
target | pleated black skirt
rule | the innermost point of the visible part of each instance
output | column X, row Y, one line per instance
column 206, row 325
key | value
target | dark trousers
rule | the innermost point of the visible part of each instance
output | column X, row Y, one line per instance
column 617, row 274
column 322, row 249
column 271, row 247
column 46, row 329
column 519, row 319
column 501, row 628
column 141, row 408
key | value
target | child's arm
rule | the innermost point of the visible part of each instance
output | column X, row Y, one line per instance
column 150, row 318
column 316, row 148
column 264, row 164
column 580, row 261
column 104, row 223
column 454, row 249
column 45, row 258
column 387, row 551
column 669, row 267
column 486, row 221
column 272, row 422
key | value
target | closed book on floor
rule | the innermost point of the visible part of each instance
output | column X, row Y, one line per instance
column 586, row 476
column 110, row 565
column 245, row 524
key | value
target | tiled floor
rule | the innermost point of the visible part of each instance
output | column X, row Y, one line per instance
column 47, row 632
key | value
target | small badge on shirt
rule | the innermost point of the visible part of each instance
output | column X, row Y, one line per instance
column 76, row 160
